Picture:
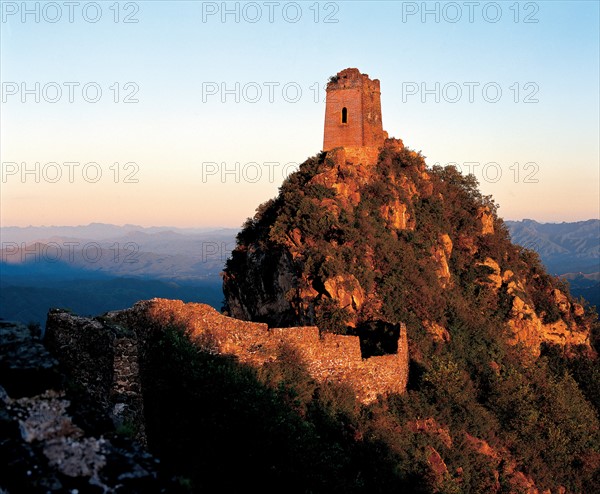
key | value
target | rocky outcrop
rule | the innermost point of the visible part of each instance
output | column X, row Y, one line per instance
column 437, row 332
column 264, row 292
column 352, row 234
column 528, row 329
column 269, row 287
column 345, row 176
column 504, row 463
column 525, row 325
column 494, row 278
column 346, row 290
column 441, row 254
column 55, row 437
column 486, row 220
column 395, row 215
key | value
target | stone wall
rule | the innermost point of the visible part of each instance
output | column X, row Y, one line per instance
column 55, row 438
column 333, row 358
column 103, row 359
column 336, row 133
column 104, row 355
column 362, row 155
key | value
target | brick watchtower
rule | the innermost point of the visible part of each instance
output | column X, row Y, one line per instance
column 353, row 112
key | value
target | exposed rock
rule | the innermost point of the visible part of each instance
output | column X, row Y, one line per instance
column 436, row 463
column 50, row 442
column 395, row 215
column 441, row 254
column 507, row 275
column 482, row 447
column 503, row 462
column 364, row 233
column 345, row 177
column 527, row 328
column 494, row 277
column 442, row 268
column 45, row 421
column 564, row 334
column 522, row 483
column 486, row 220
column 525, row 325
column 26, row 367
column 362, row 155
column 346, row 290
column 578, row 310
column 439, row 333
column 263, row 294
column 273, row 290
column 446, row 243
column 560, row 299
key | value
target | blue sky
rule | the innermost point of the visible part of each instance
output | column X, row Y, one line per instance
column 540, row 134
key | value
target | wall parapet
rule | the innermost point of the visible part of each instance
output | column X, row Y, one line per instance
column 106, row 353
column 328, row 357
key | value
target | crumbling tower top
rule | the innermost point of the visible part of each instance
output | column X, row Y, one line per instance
column 353, row 112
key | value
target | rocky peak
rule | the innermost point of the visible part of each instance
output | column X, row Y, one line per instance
column 356, row 237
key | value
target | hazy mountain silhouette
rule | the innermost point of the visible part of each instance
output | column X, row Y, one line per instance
column 569, row 250
column 98, row 267
column 185, row 264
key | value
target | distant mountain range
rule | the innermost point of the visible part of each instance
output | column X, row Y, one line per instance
column 96, row 231
column 564, row 247
column 568, row 250
column 99, row 267
column 167, row 253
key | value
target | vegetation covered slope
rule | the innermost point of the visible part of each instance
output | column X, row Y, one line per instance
column 503, row 360
column 346, row 244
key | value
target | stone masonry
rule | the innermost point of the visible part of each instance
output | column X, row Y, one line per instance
column 103, row 358
column 353, row 112
column 328, row 357
column 106, row 353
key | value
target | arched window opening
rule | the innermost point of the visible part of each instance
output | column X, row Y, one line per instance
column 344, row 115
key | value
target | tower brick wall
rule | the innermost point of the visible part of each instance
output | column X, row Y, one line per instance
column 353, row 112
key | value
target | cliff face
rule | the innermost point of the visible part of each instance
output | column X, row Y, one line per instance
column 354, row 237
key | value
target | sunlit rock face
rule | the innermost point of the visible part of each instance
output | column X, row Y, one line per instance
column 343, row 230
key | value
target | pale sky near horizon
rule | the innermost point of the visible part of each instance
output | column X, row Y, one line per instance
column 509, row 90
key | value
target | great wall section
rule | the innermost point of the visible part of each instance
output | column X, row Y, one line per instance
column 106, row 353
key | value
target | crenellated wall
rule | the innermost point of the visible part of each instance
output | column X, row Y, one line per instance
column 329, row 357
column 107, row 353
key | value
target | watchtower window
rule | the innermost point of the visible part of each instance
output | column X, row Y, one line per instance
column 344, row 115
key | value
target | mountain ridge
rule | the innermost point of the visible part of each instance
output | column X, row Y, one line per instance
column 346, row 235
